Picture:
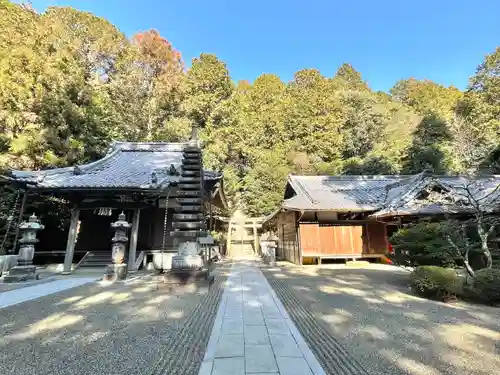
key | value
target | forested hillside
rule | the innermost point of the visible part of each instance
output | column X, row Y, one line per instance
column 71, row 82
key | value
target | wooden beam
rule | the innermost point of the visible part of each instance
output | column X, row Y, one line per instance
column 210, row 221
column 133, row 240
column 70, row 245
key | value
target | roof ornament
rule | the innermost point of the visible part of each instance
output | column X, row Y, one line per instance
column 154, row 178
column 77, row 170
column 172, row 171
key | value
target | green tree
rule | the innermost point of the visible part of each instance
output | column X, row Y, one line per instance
column 206, row 85
column 351, row 77
column 429, row 150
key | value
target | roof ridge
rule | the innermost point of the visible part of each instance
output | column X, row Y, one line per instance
column 150, row 146
column 353, row 177
column 297, row 184
column 88, row 166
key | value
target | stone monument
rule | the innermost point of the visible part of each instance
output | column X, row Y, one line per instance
column 118, row 269
column 189, row 220
column 25, row 270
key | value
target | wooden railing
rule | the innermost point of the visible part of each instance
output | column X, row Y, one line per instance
column 83, row 258
column 139, row 259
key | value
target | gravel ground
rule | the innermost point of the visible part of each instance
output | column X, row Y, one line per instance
column 138, row 328
column 371, row 314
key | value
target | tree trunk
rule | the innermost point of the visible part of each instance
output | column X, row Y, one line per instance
column 484, row 245
column 468, row 268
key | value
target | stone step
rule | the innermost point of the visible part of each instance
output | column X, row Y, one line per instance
column 97, row 259
column 357, row 263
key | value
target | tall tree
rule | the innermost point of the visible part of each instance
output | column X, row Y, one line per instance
column 206, row 85
column 427, row 97
column 351, row 77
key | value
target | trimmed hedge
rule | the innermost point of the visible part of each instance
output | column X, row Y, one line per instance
column 486, row 285
column 435, row 282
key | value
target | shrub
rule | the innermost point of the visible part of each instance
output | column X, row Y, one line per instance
column 435, row 282
column 423, row 244
column 486, row 285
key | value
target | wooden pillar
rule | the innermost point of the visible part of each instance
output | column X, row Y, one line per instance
column 70, row 245
column 133, row 240
column 229, row 235
column 210, row 222
column 255, row 238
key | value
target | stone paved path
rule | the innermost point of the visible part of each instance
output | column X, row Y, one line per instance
column 14, row 297
column 253, row 333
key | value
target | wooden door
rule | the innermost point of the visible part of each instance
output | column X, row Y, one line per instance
column 310, row 239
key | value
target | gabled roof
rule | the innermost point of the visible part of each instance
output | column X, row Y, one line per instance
column 127, row 165
column 340, row 193
column 384, row 195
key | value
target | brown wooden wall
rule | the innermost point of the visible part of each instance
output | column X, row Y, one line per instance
column 343, row 239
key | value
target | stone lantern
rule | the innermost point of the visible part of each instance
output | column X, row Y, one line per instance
column 118, row 269
column 25, row 270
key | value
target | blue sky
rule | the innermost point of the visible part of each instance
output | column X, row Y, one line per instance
column 386, row 40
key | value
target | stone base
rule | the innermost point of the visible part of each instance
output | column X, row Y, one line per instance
column 185, row 276
column 115, row 272
column 21, row 273
column 7, row 262
column 162, row 261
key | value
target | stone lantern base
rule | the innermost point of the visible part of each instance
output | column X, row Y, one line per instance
column 21, row 273
column 115, row 272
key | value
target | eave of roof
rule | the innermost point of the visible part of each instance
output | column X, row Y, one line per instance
column 378, row 195
column 126, row 166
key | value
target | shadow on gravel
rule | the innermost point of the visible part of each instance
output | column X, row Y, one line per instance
column 389, row 330
column 138, row 328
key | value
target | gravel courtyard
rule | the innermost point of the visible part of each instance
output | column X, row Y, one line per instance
column 138, row 328
column 371, row 313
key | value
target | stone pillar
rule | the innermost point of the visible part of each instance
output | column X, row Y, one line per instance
column 118, row 269
column 25, row 270
column 133, row 240
column 255, row 238
column 70, row 244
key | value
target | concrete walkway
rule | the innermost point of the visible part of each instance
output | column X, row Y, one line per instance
column 253, row 333
column 13, row 297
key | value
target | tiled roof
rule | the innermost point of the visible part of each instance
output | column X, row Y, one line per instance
column 126, row 165
column 381, row 195
column 344, row 193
